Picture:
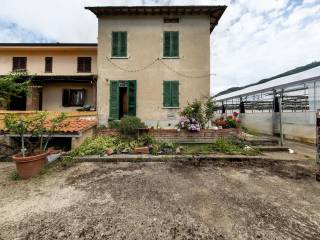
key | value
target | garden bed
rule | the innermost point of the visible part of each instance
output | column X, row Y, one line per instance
column 119, row 146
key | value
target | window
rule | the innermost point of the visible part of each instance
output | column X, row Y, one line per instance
column 19, row 64
column 171, row 44
column 84, row 64
column 73, row 97
column 171, row 20
column 48, row 65
column 171, row 93
column 119, row 44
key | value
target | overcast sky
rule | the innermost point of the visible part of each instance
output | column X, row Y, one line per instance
column 255, row 39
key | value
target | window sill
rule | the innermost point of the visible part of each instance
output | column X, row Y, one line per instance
column 170, row 57
column 72, row 106
column 170, row 107
column 119, row 57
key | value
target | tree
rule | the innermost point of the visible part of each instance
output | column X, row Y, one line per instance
column 35, row 126
column 13, row 84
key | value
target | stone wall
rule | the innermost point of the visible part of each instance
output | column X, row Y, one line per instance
column 172, row 135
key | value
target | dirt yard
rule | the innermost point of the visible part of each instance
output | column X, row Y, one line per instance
column 223, row 200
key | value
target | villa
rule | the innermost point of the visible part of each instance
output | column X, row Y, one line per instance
column 149, row 62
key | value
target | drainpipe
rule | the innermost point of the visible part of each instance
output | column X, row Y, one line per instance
column 280, row 117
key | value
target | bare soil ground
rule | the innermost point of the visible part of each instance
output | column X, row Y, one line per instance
column 221, row 200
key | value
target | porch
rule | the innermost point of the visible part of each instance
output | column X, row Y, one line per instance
column 58, row 93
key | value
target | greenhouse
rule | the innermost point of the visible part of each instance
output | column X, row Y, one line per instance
column 284, row 106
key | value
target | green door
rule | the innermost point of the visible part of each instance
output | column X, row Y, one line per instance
column 114, row 100
column 132, row 97
column 114, row 113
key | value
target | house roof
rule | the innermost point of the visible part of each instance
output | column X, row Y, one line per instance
column 68, row 127
column 64, row 78
column 214, row 11
column 76, row 126
column 49, row 44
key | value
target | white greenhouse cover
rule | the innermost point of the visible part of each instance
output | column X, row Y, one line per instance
column 308, row 75
column 96, row 3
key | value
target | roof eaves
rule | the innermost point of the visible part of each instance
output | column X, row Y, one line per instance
column 48, row 44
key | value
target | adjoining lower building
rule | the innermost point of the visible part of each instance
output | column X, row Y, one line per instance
column 63, row 75
column 292, row 100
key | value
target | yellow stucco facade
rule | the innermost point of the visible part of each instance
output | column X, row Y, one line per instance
column 145, row 44
column 64, row 64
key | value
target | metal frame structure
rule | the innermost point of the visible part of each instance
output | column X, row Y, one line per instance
column 294, row 94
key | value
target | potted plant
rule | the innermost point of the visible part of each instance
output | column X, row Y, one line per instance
column 32, row 157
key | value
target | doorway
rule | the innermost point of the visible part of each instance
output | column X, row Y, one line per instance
column 122, row 99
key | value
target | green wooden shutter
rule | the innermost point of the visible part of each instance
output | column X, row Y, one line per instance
column 115, row 46
column 166, row 44
column 119, row 44
column 123, row 44
column 167, row 94
column 174, row 44
column 132, row 98
column 114, row 100
column 174, row 93
column 171, row 44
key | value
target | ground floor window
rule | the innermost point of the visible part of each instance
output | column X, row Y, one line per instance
column 73, row 97
column 171, row 93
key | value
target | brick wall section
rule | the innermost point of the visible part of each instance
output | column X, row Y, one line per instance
column 172, row 135
column 108, row 132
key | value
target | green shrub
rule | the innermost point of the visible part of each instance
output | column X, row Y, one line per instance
column 129, row 125
column 114, row 124
column 202, row 110
column 95, row 146
column 231, row 123
column 146, row 140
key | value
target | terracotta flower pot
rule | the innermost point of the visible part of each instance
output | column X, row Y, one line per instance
column 31, row 165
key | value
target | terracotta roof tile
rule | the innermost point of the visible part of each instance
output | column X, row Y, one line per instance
column 76, row 126
column 68, row 126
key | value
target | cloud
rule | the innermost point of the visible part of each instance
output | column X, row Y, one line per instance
column 254, row 39
column 61, row 20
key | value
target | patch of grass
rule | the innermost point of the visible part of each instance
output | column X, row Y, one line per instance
column 196, row 148
column 250, row 131
column 14, row 176
column 233, row 146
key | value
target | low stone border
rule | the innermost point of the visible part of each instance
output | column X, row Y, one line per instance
column 175, row 158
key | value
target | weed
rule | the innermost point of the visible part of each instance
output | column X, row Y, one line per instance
column 14, row 176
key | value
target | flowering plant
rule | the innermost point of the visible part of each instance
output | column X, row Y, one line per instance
column 190, row 124
column 231, row 121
